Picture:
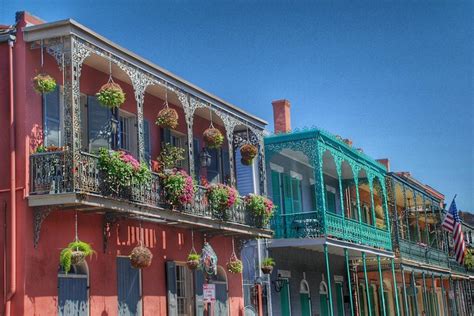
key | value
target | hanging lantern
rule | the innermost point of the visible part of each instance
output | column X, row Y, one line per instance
column 205, row 158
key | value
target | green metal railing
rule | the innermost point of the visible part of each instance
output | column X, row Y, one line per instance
column 361, row 233
column 423, row 253
column 297, row 225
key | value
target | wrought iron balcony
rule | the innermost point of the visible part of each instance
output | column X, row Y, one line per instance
column 423, row 254
column 309, row 225
column 50, row 178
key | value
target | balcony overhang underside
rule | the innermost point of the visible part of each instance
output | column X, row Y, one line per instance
column 335, row 247
column 86, row 202
column 412, row 265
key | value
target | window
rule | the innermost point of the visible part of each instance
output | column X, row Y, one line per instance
column 184, row 290
column 127, row 135
column 98, row 125
column 179, row 140
column 53, row 117
column 129, row 293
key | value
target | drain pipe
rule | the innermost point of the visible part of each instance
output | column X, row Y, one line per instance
column 12, row 288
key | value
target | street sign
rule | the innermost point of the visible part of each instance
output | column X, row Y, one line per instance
column 209, row 293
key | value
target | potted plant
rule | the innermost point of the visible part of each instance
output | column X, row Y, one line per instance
column 193, row 260
column 120, row 170
column 178, row 187
column 170, row 156
column 48, row 149
column 111, row 95
column 213, row 137
column 167, row 118
column 74, row 254
column 44, row 83
column 261, row 208
column 267, row 265
column 248, row 153
column 234, row 265
column 221, row 197
column 140, row 257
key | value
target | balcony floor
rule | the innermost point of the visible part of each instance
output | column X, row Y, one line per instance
column 87, row 202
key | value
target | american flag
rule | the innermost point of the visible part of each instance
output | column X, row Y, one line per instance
column 452, row 223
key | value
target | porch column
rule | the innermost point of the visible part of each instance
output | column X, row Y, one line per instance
column 370, row 178
column 427, row 233
column 417, row 217
column 433, row 289
column 405, row 298
column 395, row 288
column 405, row 212
column 367, row 293
column 355, row 171
column 455, row 301
column 338, row 162
column 346, row 255
column 415, row 291
column 425, row 297
column 326, row 256
column 261, row 165
column 189, row 108
column 443, row 296
column 381, row 286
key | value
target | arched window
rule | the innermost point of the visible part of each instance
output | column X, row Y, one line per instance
column 305, row 298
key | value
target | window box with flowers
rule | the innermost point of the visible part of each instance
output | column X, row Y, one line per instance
column 221, row 199
column 261, row 209
column 178, row 187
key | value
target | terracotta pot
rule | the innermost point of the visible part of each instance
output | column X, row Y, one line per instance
column 267, row 269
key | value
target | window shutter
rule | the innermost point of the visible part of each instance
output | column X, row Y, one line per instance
column 225, row 165
column 330, row 202
column 213, row 169
column 128, row 288
column 146, row 139
column 52, row 118
column 296, row 190
column 99, row 125
column 171, row 287
column 197, row 162
column 287, row 194
column 72, row 295
column 276, row 193
column 165, row 134
column 244, row 175
column 198, row 288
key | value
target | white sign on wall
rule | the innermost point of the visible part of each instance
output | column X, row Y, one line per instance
column 209, row 293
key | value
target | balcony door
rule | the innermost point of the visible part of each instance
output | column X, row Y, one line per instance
column 73, row 291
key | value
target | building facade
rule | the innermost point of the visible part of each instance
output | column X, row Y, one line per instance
column 55, row 195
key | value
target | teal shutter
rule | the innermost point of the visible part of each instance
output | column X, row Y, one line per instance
column 98, row 118
column 198, row 288
column 330, row 202
column 128, row 288
column 296, row 192
column 276, row 192
column 52, row 118
column 171, row 287
column 287, row 194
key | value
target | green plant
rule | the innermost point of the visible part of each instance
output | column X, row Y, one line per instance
column 178, row 187
column 121, row 170
column 167, row 118
column 261, row 207
column 194, row 257
column 221, row 197
column 235, row 265
column 74, row 254
column 213, row 138
column 469, row 259
column 268, row 262
column 193, row 260
column 170, row 156
column 44, row 83
column 111, row 95
column 248, row 153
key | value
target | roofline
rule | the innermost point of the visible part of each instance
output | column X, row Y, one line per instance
column 417, row 185
column 77, row 28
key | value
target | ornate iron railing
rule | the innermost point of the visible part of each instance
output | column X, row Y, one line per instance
column 298, row 225
column 455, row 266
column 423, row 253
column 353, row 231
column 48, row 174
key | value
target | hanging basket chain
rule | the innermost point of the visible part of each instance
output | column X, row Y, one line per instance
column 140, row 234
column 210, row 112
column 166, row 95
column 111, row 80
column 42, row 56
column 233, row 255
column 193, row 250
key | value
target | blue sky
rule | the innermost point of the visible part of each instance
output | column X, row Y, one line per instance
column 396, row 77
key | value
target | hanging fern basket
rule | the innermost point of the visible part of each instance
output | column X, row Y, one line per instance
column 193, row 260
column 111, row 95
column 74, row 254
column 44, row 83
column 167, row 118
column 248, row 153
column 213, row 138
column 141, row 257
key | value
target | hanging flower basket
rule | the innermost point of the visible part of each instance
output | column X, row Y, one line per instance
column 234, row 265
column 178, row 187
column 167, row 118
column 44, row 83
column 141, row 257
column 248, row 153
column 267, row 265
column 213, row 138
column 111, row 95
column 75, row 253
column 261, row 208
column 221, row 197
column 193, row 260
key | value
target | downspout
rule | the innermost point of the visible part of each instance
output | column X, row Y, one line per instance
column 12, row 288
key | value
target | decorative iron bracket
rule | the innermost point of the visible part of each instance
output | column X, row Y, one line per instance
column 109, row 220
column 40, row 214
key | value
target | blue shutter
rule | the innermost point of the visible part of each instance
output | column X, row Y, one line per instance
column 245, row 176
column 220, row 306
column 72, row 295
column 225, row 166
column 213, row 169
column 128, row 288
column 197, row 162
column 171, row 287
column 198, row 287
column 52, row 118
column 98, row 118
column 146, row 139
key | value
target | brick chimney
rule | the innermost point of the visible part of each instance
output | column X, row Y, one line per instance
column 281, row 116
column 385, row 162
